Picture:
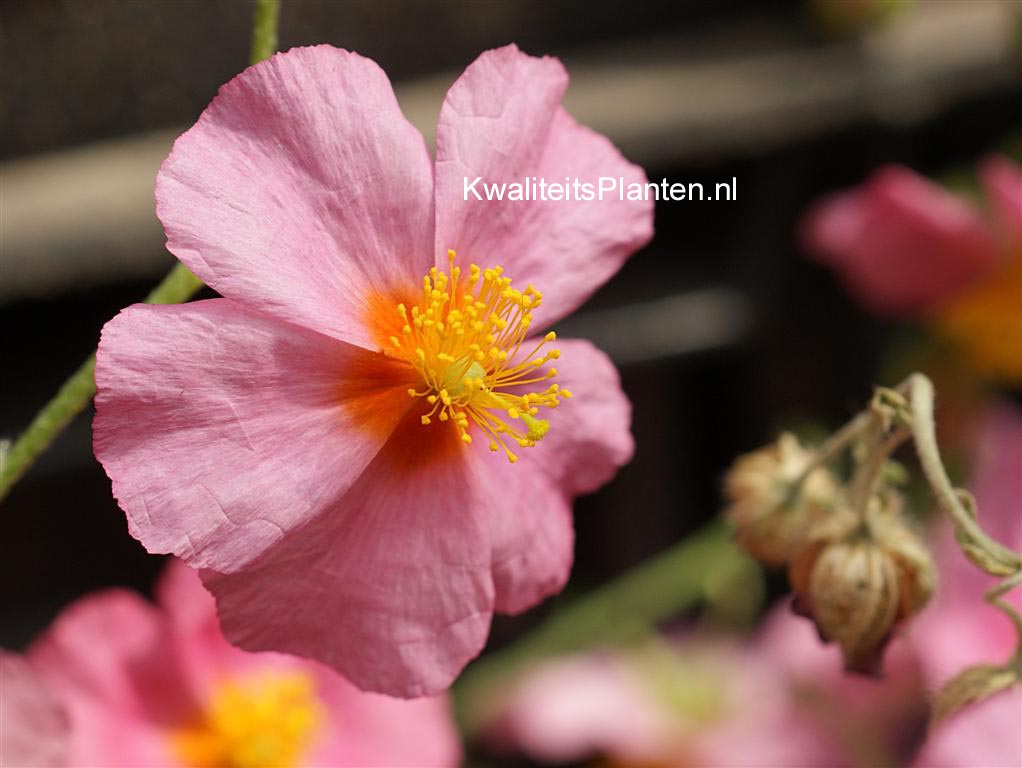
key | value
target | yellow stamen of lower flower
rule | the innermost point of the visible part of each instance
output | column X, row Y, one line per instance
column 268, row 721
column 465, row 338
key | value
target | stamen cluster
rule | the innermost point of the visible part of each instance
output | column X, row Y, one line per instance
column 465, row 339
column 269, row 720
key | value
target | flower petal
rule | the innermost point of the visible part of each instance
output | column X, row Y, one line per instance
column 530, row 528
column 391, row 587
column 573, row 708
column 503, row 121
column 223, row 429
column 34, row 727
column 984, row 733
column 529, row 502
column 302, row 189
column 360, row 729
column 590, row 435
column 373, row 730
column 101, row 657
column 1002, row 180
column 900, row 242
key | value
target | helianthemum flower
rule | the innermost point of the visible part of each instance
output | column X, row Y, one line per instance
column 904, row 245
column 117, row 681
column 366, row 445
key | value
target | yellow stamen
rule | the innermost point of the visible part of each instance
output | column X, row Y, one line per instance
column 262, row 722
column 465, row 339
column 986, row 323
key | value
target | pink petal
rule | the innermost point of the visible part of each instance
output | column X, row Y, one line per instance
column 391, row 587
column 900, row 242
column 1002, row 180
column 102, row 657
column 204, row 657
column 187, row 606
column 997, row 475
column 590, row 437
column 304, row 191
column 223, row 429
column 372, row 730
column 133, row 676
column 530, row 527
column 33, row 724
column 529, row 502
column 359, row 729
column 502, row 120
column 984, row 734
column 578, row 707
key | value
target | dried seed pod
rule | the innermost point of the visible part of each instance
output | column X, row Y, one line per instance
column 772, row 518
column 858, row 578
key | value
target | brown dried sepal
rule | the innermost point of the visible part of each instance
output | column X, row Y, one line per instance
column 858, row 579
column 771, row 521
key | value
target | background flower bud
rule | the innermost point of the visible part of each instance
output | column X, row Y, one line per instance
column 770, row 521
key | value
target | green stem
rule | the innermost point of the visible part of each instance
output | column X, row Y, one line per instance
column 179, row 285
column 617, row 612
column 264, row 30
column 69, row 401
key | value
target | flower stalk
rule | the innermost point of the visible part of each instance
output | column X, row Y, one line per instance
column 860, row 607
column 178, row 286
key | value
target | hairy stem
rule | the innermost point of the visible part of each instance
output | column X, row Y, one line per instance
column 925, row 435
column 179, row 285
column 994, row 597
column 864, row 482
column 264, row 30
column 834, row 445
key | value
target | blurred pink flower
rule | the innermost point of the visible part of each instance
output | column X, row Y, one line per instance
column 871, row 720
column 983, row 735
column 276, row 438
column 34, row 729
column 959, row 629
column 148, row 685
column 904, row 245
column 691, row 701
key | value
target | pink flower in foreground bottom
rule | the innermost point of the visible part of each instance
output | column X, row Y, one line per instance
column 159, row 686
column 316, row 441
column 34, row 729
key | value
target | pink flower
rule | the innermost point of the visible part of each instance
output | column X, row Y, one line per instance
column 983, row 735
column 692, row 701
column 904, row 245
column 277, row 438
column 34, row 730
column 148, row 685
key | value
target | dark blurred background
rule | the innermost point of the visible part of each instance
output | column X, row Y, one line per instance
column 722, row 329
